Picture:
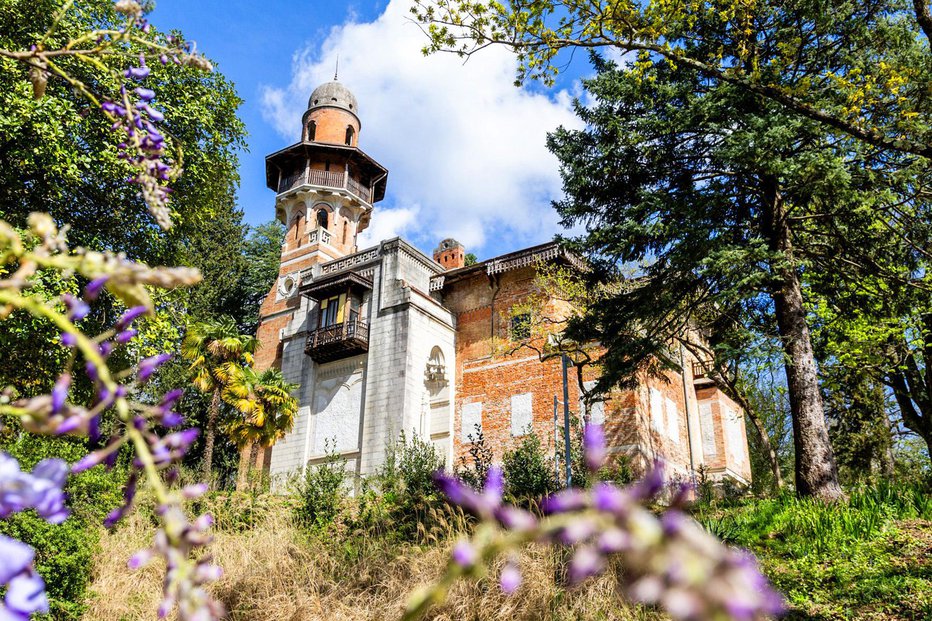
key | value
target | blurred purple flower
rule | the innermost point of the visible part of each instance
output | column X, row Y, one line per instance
column 40, row 490
column 93, row 288
column 129, row 317
column 464, row 554
column 594, row 447
column 586, row 562
column 77, row 308
column 25, row 589
column 510, row 578
column 150, row 365
column 60, row 392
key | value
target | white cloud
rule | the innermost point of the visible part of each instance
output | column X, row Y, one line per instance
column 465, row 148
column 388, row 223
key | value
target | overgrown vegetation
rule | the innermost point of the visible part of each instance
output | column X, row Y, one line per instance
column 867, row 558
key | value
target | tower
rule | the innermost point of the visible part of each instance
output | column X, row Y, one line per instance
column 325, row 187
column 450, row 254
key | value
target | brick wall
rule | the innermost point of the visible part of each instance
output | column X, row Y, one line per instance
column 503, row 387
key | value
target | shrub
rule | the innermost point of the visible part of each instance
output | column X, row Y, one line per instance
column 236, row 511
column 320, row 492
column 529, row 472
column 474, row 470
column 399, row 498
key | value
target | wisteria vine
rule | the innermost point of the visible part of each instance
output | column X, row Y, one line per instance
column 146, row 429
column 667, row 560
column 132, row 111
column 148, row 432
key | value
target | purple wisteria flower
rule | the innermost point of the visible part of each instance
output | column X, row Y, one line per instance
column 25, row 589
column 670, row 561
column 40, row 490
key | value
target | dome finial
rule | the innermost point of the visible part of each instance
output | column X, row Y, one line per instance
column 336, row 70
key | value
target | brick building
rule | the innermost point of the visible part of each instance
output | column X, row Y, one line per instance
column 386, row 339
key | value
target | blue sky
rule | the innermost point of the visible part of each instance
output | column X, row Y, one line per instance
column 464, row 147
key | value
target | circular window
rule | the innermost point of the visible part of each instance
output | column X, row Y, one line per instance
column 288, row 285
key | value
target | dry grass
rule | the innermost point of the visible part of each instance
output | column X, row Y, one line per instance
column 275, row 572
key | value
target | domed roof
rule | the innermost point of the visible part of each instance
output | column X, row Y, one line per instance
column 335, row 95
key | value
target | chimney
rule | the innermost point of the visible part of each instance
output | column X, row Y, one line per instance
column 450, row 254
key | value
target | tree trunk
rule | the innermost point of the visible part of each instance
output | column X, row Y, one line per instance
column 209, row 433
column 816, row 471
column 912, row 403
column 253, row 467
column 245, row 461
column 768, row 447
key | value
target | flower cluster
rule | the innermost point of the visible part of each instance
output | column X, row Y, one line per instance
column 667, row 560
column 144, row 145
column 132, row 112
column 25, row 589
column 144, row 430
column 184, row 581
column 147, row 431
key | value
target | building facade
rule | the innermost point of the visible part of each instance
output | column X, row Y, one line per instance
column 385, row 339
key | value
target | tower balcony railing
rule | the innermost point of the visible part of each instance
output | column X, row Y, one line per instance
column 340, row 340
column 326, row 179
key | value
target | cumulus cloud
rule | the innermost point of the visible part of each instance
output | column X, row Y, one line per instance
column 465, row 148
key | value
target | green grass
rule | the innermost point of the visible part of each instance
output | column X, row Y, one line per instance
column 868, row 558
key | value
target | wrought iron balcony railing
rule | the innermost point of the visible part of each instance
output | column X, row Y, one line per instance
column 340, row 340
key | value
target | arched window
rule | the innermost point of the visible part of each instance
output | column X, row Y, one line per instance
column 350, row 132
column 297, row 223
column 322, row 218
column 345, row 231
column 312, row 130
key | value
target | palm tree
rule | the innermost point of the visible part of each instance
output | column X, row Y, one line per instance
column 217, row 351
column 268, row 410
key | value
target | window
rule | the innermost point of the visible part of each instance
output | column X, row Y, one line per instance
column 707, row 424
column 312, row 130
column 673, row 420
column 471, row 422
column 521, row 327
column 656, row 411
column 350, row 132
column 522, row 414
column 323, row 218
column 596, row 408
column 345, row 231
column 329, row 312
column 731, row 422
column 298, row 224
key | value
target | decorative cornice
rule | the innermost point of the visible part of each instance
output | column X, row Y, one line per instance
column 507, row 262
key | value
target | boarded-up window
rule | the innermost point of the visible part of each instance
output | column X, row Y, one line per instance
column 596, row 408
column 735, row 438
column 708, row 429
column 472, row 421
column 673, row 421
column 522, row 414
column 338, row 407
column 656, row 411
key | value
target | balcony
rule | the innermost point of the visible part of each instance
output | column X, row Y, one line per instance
column 701, row 371
column 340, row 340
column 326, row 179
